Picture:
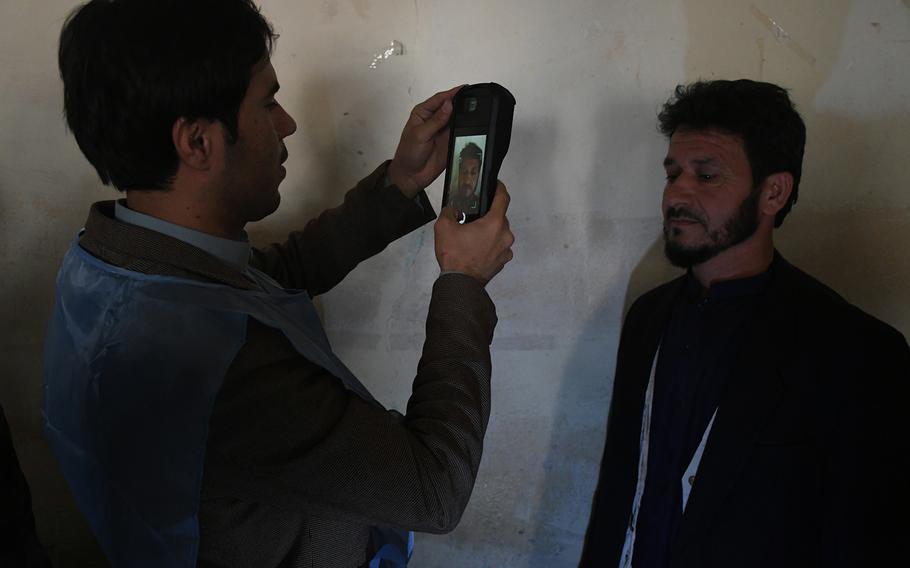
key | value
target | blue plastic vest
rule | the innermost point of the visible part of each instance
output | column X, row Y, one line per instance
column 132, row 364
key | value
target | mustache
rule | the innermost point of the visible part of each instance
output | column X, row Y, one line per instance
column 684, row 214
column 284, row 154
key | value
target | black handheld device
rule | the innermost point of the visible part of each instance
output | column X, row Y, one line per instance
column 480, row 133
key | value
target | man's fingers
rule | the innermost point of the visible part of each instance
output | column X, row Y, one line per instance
column 436, row 122
column 500, row 200
column 480, row 249
column 448, row 212
column 439, row 158
column 433, row 114
column 428, row 107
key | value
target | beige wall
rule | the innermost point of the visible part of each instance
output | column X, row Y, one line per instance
column 584, row 172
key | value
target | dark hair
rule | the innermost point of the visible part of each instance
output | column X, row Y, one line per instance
column 773, row 134
column 471, row 150
column 131, row 68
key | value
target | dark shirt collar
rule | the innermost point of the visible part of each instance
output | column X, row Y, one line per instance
column 741, row 287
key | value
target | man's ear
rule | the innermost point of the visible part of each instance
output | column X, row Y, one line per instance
column 775, row 193
column 197, row 142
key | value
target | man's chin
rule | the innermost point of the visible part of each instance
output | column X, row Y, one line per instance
column 683, row 256
column 266, row 209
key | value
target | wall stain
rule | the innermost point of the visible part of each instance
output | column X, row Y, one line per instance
column 362, row 7
column 786, row 29
column 329, row 9
column 618, row 47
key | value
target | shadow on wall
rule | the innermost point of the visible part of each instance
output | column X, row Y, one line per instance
column 651, row 271
column 43, row 234
column 861, row 252
column 316, row 127
column 576, row 441
column 503, row 520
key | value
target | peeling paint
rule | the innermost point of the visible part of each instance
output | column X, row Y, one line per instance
column 395, row 48
column 781, row 35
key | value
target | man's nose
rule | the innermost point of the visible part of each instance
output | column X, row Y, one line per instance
column 679, row 191
column 288, row 124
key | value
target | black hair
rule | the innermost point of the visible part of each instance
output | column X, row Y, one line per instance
column 762, row 114
column 471, row 150
column 131, row 68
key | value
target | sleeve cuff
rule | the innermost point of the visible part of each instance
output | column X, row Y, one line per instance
column 384, row 184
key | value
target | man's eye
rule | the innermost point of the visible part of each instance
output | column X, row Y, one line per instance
column 706, row 177
column 671, row 177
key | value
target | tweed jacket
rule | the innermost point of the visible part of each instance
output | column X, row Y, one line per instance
column 297, row 468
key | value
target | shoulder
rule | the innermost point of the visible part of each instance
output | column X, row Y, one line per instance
column 118, row 309
column 830, row 313
column 823, row 321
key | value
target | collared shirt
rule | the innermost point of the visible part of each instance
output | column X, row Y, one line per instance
column 235, row 253
column 698, row 351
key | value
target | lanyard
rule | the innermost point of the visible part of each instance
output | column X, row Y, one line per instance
column 688, row 478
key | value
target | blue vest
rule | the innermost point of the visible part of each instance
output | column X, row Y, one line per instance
column 132, row 365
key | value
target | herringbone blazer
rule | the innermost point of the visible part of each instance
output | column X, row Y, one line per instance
column 297, row 468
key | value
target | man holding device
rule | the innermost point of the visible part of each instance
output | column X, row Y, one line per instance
column 191, row 395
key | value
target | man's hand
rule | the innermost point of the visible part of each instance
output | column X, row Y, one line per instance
column 479, row 249
column 424, row 145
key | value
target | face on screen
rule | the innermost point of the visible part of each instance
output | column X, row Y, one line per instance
column 465, row 184
column 468, row 171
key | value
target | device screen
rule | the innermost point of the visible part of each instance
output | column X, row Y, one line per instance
column 467, row 169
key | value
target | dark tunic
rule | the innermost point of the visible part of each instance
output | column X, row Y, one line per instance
column 697, row 354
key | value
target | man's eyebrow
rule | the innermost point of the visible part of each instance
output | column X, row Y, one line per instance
column 668, row 161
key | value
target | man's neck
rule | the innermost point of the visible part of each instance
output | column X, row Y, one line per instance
column 749, row 258
column 189, row 213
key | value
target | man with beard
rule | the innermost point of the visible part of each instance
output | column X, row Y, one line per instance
column 752, row 405
column 469, row 161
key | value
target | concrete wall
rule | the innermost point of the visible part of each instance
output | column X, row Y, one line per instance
column 585, row 174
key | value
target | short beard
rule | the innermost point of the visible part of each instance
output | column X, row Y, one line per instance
column 736, row 230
